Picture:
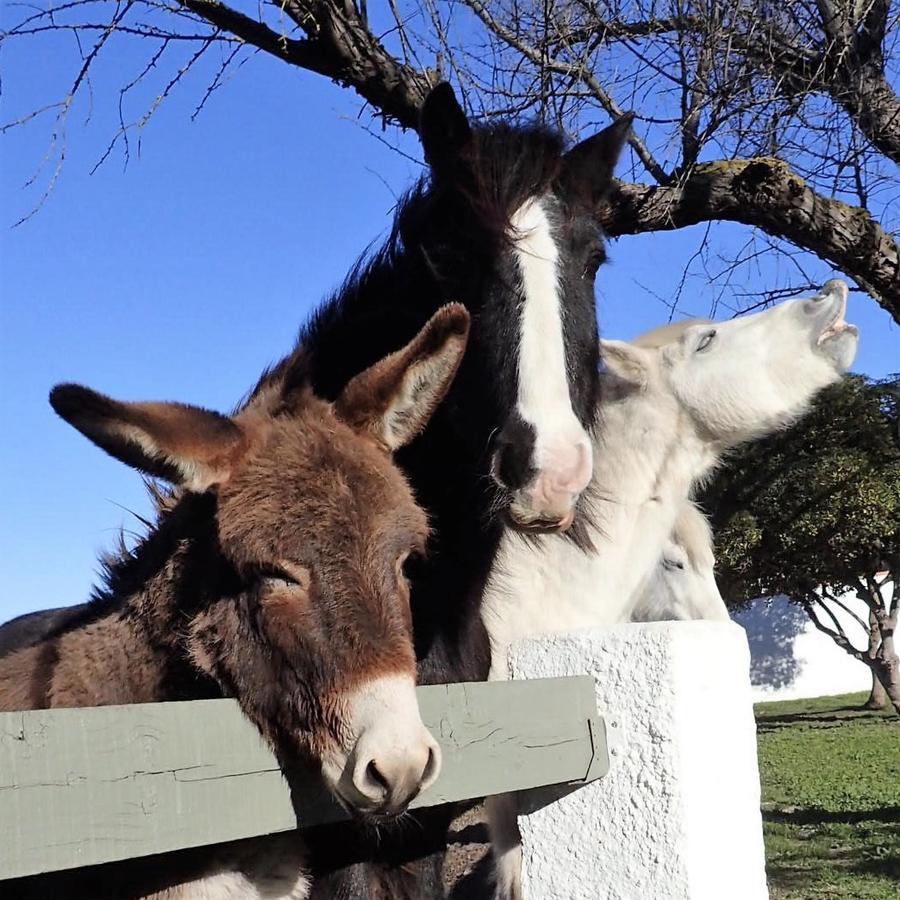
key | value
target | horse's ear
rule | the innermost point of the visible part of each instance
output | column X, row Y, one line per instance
column 394, row 399
column 443, row 127
column 627, row 362
column 588, row 167
column 187, row 446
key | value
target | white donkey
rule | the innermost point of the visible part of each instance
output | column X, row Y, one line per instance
column 682, row 585
column 671, row 408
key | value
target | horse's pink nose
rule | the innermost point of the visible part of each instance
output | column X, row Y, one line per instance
column 565, row 472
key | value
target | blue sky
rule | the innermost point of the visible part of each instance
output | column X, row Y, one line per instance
column 185, row 274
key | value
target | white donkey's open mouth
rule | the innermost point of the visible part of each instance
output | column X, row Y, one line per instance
column 838, row 324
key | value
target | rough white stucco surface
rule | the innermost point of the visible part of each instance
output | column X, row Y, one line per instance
column 678, row 814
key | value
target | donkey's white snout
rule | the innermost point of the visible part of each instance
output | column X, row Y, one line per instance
column 394, row 756
column 390, row 778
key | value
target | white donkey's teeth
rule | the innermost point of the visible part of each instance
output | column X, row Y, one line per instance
column 838, row 325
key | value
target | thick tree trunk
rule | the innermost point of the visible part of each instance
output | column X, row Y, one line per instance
column 878, row 698
column 887, row 665
column 884, row 664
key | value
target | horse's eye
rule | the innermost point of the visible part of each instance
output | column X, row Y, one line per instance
column 672, row 564
column 706, row 340
column 596, row 258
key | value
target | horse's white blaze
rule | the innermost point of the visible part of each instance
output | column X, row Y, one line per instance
column 562, row 447
column 383, row 729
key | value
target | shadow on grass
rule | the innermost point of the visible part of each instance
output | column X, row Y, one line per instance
column 831, row 719
column 813, row 816
column 887, row 867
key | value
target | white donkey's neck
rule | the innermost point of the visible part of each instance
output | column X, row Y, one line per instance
column 647, row 455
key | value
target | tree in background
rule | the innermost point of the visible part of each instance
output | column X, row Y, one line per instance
column 814, row 513
column 778, row 116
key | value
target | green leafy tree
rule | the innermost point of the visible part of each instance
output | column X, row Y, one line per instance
column 814, row 513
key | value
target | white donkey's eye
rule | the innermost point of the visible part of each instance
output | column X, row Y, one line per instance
column 706, row 340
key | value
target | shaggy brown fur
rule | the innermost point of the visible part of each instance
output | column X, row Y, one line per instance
column 281, row 584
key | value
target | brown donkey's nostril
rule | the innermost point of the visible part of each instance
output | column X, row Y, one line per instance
column 391, row 781
column 432, row 768
column 377, row 786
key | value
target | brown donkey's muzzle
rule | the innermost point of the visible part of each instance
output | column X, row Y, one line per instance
column 391, row 756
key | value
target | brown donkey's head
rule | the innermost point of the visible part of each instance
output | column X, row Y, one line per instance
column 305, row 618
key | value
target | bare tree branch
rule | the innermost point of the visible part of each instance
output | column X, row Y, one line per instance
column 837, row 636
column 766, row 193
column 338, row 45
column 580, row 73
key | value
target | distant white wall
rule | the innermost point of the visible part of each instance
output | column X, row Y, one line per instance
column 791, row 659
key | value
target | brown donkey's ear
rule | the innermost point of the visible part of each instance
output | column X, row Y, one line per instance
column 395, row 398
column 186, row 445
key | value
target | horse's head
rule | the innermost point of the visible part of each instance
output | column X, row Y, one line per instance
column 304, row 616
column 747, row 377
column 532, row 245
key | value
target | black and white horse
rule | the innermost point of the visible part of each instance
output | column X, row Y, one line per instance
column 505, row 222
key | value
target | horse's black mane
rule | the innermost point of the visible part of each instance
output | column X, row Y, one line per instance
column 445, row 225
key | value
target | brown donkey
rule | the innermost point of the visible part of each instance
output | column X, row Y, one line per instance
column 274, row 576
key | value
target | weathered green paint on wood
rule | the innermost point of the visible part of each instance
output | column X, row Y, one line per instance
column 85, row 786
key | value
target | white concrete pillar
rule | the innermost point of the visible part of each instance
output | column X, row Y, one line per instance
column 678, row 815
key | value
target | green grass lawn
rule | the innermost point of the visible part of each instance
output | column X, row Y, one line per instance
column 831, row 799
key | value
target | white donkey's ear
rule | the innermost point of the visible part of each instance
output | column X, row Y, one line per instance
column 625, row 361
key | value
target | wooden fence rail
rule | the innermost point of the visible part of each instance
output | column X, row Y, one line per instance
column 79, row 787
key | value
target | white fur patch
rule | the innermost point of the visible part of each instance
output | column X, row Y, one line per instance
column 544, row 400
column 264, row 868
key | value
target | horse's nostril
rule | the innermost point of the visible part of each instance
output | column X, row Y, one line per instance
column 513, row 454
